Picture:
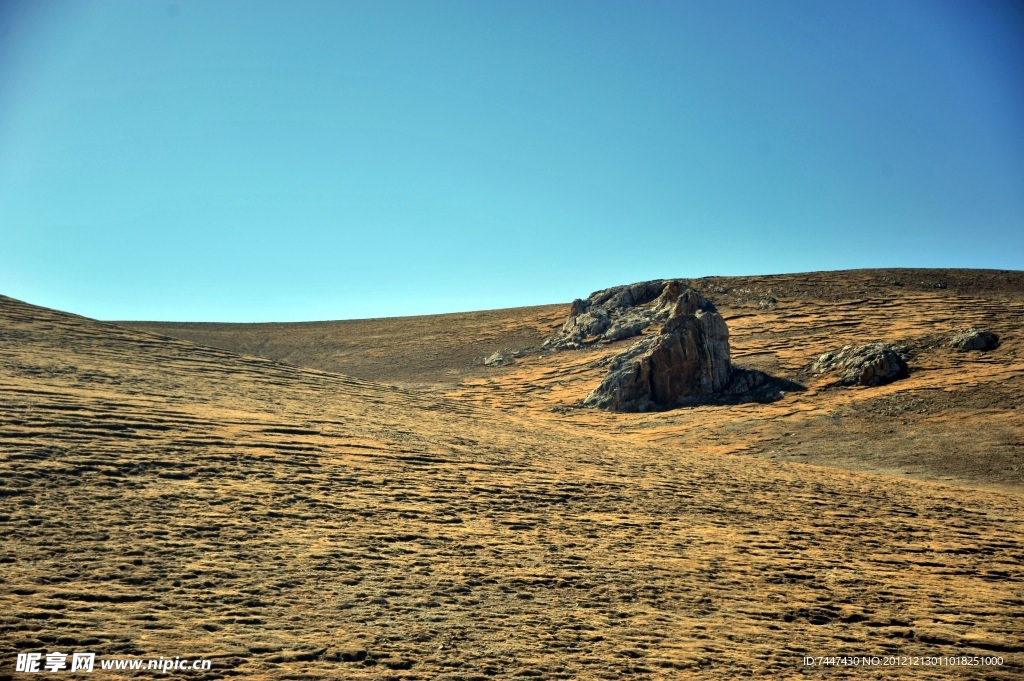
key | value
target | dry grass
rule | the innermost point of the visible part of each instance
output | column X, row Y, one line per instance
column 957, row 419
column 164, row 498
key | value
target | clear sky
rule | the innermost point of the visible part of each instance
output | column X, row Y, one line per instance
column 278, row 161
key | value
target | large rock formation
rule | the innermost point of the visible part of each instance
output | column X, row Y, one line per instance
column 681, row 358
column 871, row 364
column 687, row 361
column 618, row 313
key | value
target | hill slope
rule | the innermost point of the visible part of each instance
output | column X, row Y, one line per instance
column 166, row 499
column 911, row 428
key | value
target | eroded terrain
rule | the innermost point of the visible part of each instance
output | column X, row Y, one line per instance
column 162, row 498
column 957, row 418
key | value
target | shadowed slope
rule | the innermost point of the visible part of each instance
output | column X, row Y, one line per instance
column 425, row 350
column 161, row 498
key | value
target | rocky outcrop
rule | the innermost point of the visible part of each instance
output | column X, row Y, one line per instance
column 871, row 364
column 681, row 357
column 687, row 361
column 974, row 339
column 617, row 313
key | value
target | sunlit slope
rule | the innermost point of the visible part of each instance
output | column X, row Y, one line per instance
column 958, row 418
column 165, row 499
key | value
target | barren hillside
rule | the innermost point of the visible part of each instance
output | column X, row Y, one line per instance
column 161, row 498
column 915, row 427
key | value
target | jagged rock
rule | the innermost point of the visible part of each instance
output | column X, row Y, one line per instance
column 496, row 360
column 688, row 361
column 685, row 361
column 974, row 339
column 617, row 313
column 871, row 364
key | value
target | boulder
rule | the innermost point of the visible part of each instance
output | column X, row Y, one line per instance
column 681, row 357
column 974, row 339
column 871, row 364
column 617, row 313
column 686, row 362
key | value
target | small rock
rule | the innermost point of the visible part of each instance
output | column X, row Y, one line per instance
column 974, row 339
column 767, row 303
column 496, row 360
column 872, row 364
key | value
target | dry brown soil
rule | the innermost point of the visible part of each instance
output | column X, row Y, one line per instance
column 427, row 517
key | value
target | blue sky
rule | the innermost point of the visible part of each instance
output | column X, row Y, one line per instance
column 276, row 161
